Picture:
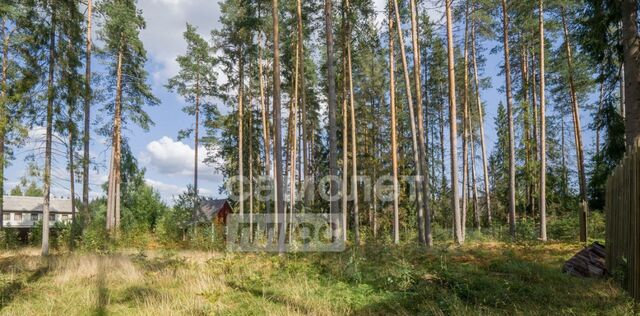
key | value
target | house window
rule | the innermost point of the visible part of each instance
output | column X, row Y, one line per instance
column 34, row 217
column 17, row 217
column 5, row 217
column 65, row 218
column 52, row 217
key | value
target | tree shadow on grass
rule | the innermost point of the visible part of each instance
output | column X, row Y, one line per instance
column 10, row 291
column 101, row 287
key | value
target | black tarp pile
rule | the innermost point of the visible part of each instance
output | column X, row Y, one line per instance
column 588, row 263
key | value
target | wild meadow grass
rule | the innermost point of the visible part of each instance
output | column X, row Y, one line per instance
column 480, row 278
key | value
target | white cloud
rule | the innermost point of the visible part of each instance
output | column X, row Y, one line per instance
column 166, row 20
column 173, row 158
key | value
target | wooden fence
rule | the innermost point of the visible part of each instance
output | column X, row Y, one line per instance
column 623, row 222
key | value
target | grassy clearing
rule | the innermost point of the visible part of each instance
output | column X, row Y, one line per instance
column 479, row 278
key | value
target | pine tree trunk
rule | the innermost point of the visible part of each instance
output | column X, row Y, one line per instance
column 631, row 49
column 426, row 221
column 394, row 137
column 307, row 196
column 455, row 202
column 527, row 129
column 265, row 124
column 465, row 127
column 293, row 139
column 543, row 127
column 3, row 111
column 331, row 104
column 600, row 105
column 241, row 130
column 412, row 118
column 345, row 140
column 474, row 188
column 250, row 162
column 278, row 129
column 512, row 158
column 113, row 196
column 485, row 163
column 354, row 140
column 577, row 133
column 87, row 119
column 196, row 143
column 443, row 188
column 72, row 168
column 49, row 135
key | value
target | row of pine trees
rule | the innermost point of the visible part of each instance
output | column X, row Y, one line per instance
column 299, row 90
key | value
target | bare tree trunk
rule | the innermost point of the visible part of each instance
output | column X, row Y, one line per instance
column 293, row 139
column 241, row 129
column 512, row 158
column 87, row 118
column 414, row 132
column 465, row 126
column 49, row 135
column 354, row 140
column 303, row 109
column 3, row 110
column 278, row 128
column 331, row 104
column 394, row 137
column 345, row 133
column 196, row 143
column 600, row 105
column 527, row 128
column 113, row 200
column 455, row 202
column 577, row 132
column 428, row 238
column 442, row 159
column 631, row 49
column 250, row 161
column 543, row 127
column 265, row 124
column 485, row 164
column 72, row 168
column 474, row 188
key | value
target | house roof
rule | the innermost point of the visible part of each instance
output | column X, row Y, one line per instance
column 209, row 208
column 34, row 204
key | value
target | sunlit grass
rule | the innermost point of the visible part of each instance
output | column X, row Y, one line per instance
column 481, row 277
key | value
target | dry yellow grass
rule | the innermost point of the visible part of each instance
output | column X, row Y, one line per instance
column 478, row 278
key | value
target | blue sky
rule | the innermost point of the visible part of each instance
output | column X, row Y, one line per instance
column 169, row 162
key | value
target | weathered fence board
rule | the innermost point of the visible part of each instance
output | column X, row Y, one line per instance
column 623, row 221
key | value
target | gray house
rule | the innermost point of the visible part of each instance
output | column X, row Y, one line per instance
column 26, row 211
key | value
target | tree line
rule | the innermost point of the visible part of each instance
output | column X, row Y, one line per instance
column 298, row 90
